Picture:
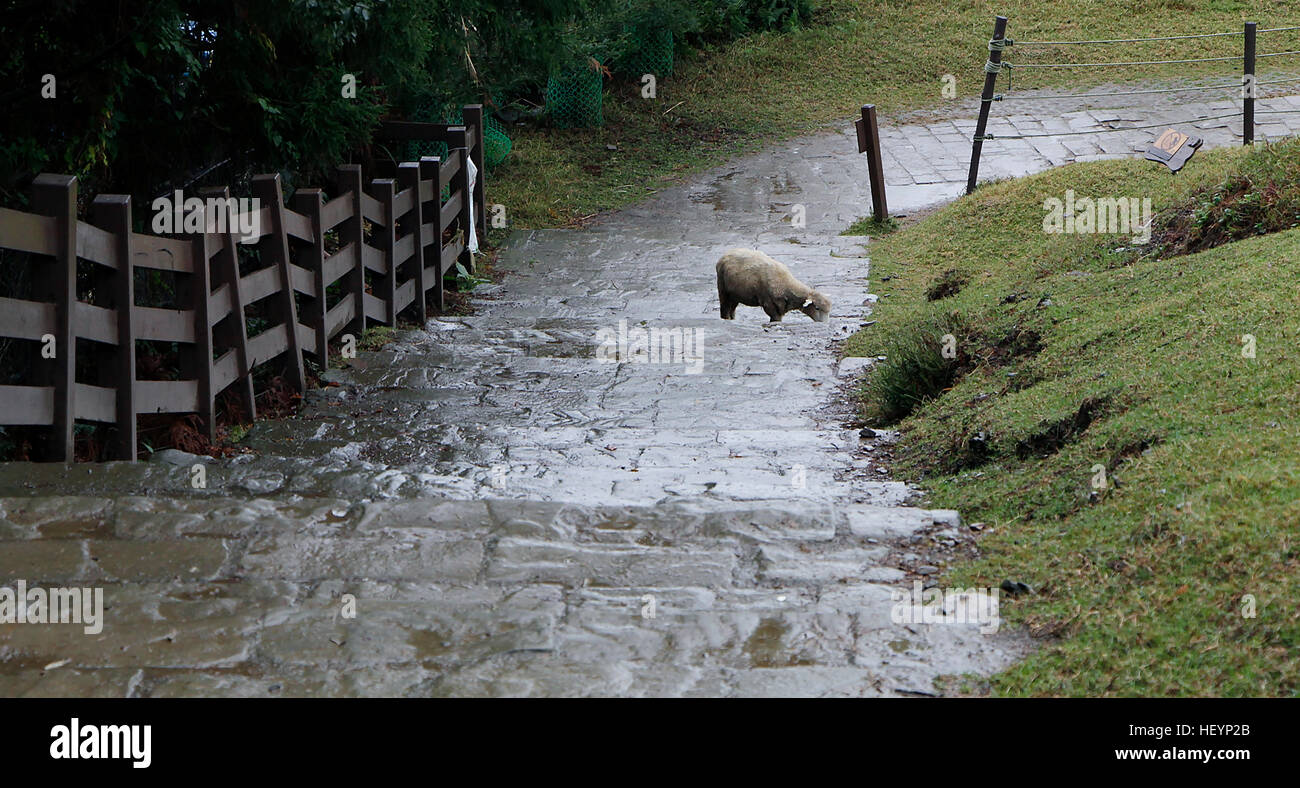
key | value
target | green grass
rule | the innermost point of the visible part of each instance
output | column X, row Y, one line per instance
column 736, row 97
column 1079, row 351
column 872, row 226
column 375, row 337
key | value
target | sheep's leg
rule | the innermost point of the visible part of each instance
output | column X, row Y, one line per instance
column 726, row 304
column 728, row 307
column 773, row 312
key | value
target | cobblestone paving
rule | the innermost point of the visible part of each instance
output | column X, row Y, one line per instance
column 516, row 517
column 927, row 159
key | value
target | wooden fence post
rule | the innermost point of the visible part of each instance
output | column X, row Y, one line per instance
column 431, row 170
column 408, row 177
column 236, row 332
column 308, row 203
column 869, row 143
column 353, row 231
column 383, row 190
column 1248, row 81
column 112, row 213
column 267, row 189
column 459, row 146
column 473, row 113
column 986, row 100
column 56, row 195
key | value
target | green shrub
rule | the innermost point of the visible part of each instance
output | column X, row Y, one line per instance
column 182, row 94
column 728, row 19
column 1260, row 195
column 915, row 369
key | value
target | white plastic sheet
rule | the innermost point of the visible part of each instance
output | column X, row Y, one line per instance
column 472, row 242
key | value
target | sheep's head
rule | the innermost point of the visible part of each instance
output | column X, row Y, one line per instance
column 816, row 306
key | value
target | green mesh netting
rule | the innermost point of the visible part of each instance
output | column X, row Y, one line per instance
column 651, row 53
column 496, row 145
column 414, row 149
column 429, row 112
column 573, row 98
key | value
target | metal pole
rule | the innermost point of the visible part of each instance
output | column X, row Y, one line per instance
column 986, row 101
column 875, row 169
column 1248, row 84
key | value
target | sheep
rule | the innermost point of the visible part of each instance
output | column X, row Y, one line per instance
column 749, row 277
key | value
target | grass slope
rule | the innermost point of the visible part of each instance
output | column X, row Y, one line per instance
column 732, row 98
column 1073, row 354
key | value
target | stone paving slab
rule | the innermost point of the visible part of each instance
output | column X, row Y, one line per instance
column 461, row 597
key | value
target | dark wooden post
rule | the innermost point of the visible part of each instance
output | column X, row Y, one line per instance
column 308, row 203
column 56, row 195
column 383, row 190
column 431, row 171
column 408, row 177
column 459, row 147
column 1248, row 81
column 473, row 114
column 869, row 143
column 235, row 333
column 986, row 100
column 266, row 188
column 353, row 232
column 112, row 213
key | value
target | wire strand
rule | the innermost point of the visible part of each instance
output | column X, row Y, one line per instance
column 1126, row 128
column 1258, row 111
column 1156, row 38
column 1131, row 62
column 1009, row 95
column 1235, row 85
column 1132, row 40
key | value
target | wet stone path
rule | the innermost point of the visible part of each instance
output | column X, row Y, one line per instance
column 511, row 504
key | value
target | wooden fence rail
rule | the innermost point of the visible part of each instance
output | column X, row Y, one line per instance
column 319, row 268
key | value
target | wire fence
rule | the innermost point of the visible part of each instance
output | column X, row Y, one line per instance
column 1153, row 38
column 1000, row 44
column 1236, row 86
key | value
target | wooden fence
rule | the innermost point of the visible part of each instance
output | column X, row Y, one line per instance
column 326, row 267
